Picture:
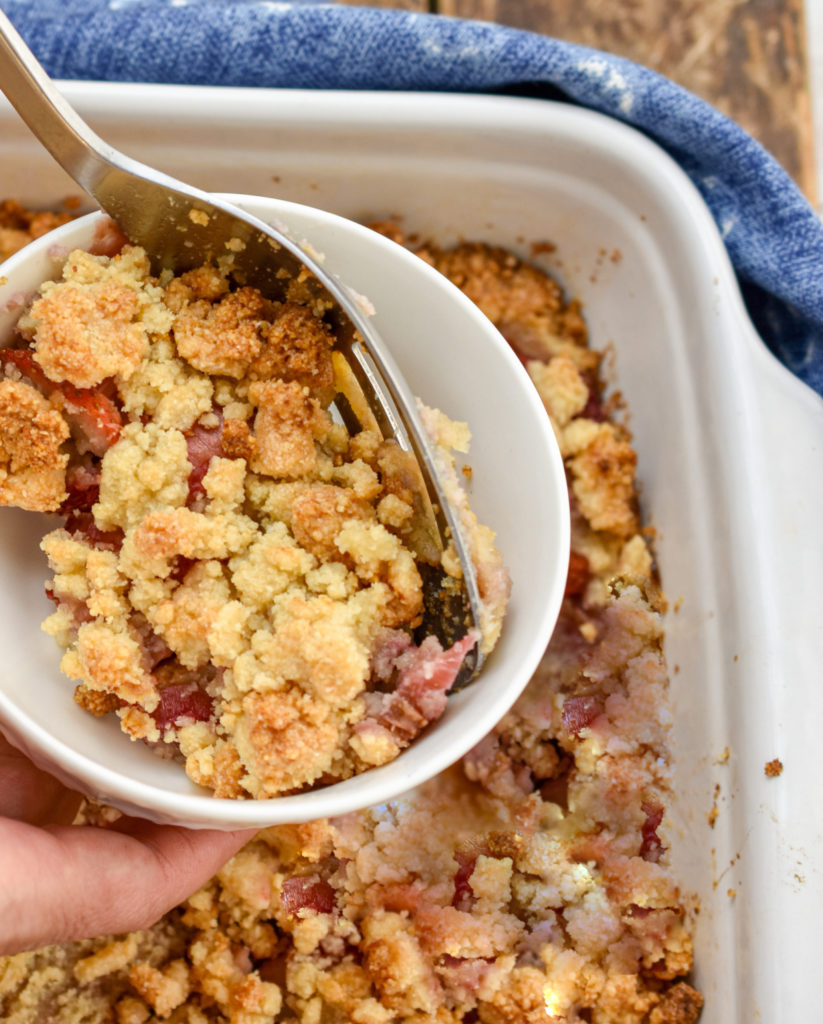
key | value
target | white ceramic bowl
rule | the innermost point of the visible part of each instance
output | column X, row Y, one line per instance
column 453, row 359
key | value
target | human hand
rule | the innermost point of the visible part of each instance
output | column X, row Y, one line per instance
column 60, row 881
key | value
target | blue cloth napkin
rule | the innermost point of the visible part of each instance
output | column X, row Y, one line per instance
column 773, row 236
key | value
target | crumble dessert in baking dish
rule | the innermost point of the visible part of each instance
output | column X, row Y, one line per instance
column 239, row 579
column 529, row 884
column 18, row 226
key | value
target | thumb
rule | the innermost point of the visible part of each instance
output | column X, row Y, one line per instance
column 74, row 882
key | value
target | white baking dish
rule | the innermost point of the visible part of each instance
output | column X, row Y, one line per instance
column 728, row 441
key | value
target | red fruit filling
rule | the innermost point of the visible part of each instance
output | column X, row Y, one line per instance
column 580, row 712
column 463, row 898
column 307, row 892
column 108, row 239
column 202, row 444
column 426, row 674
column 83, row 487
column 93, row 419
column 578, row 574
column 92, row 416
column 82, row 526
column 182, row 701
column 651, row 846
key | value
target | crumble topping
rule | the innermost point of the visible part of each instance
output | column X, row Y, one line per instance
column 286, row 425
column 85, row 335
column 19, row 226
column 529, row 883
column 88, row 326
column 32, row 463
column 221, row 337
column 233, row 564
column 146, row 470
column 526, row 305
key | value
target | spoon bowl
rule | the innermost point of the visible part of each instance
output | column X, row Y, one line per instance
column 451, row 357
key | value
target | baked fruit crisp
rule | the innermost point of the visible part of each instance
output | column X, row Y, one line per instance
column 530, row 883
column 238, row 578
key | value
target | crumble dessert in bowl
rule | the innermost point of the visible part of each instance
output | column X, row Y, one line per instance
column 238, row 581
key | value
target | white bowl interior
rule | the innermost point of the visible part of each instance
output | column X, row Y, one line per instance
column 453, row 359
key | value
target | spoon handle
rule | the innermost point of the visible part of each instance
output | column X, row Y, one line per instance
column 68, row 138
column 156, row 212
column 137, row 197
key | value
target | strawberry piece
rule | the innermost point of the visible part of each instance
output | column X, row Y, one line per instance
column 180, row 566
column 578, row 574
column 82, row 525
column 651, row 846
column 83, row 486
column 463, row 898
column 307, row 892
column 580, row 712
column 427, row 673
column 19, row 362
column 94, row 419
column 108, row 239
column 595, row 408
column 202, row 444
column 154, row 647
column 466, row 973
column 180, row 701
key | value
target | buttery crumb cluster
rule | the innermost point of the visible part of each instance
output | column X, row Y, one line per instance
column 530, row 884
column 235, row 579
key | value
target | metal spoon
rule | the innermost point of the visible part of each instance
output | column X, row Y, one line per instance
column 181, row 227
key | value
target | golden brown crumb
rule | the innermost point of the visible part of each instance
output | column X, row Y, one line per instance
column 524, row 304
column 201, row 283
column 164, row 990
column 221, row 338
column 96, row 702
column 146, row 470
column 561, row 387
column 298, row 348
column 114, row 956
column 318, row 515
column 32, row 465
column 602, row 471
column 238, row 442
column 773, row 768
column 85, row 334
column 19, row 226
column 389, row 229
column 228, row 772
column 283, row 742
column 286, row 426
column 11, row 240
column 111, row 662
column 681, row 1004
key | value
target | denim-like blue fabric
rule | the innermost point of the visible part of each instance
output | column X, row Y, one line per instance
column 773, row 236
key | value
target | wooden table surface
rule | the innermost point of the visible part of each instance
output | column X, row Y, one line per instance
column 747, row 57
